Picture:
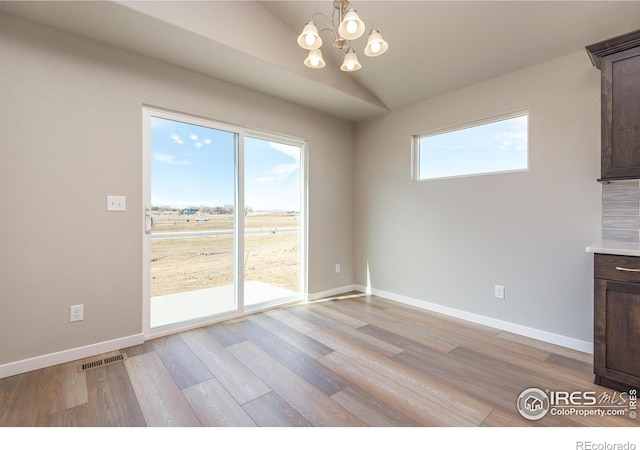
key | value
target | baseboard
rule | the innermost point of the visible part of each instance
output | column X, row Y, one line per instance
column 51, row 359
column 545, row 336
column 333, row 292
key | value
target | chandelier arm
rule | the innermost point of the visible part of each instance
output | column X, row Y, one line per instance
column 368, row 22
column 323, row 15
column 333, row 33
column 329, row 21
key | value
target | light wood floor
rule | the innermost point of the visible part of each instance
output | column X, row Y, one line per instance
column 352, row 361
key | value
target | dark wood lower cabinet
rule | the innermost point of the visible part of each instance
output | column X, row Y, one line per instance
column 617, row 322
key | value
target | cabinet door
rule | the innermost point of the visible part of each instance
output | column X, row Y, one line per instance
column 617, row 332
column 621, row 115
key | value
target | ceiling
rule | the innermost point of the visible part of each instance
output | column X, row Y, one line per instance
column 434, row 46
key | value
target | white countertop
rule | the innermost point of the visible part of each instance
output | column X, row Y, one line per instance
column 615, row 248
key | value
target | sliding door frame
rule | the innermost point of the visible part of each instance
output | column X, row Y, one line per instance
column 239, row 204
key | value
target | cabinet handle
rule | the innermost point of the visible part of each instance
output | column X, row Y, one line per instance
column 624, row 269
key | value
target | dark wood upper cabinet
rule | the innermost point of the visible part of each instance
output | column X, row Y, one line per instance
column 619, row 62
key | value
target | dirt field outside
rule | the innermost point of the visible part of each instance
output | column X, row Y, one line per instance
column 191, row 263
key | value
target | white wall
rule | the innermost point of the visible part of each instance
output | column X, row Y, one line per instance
column 71, row 133
column 448, row 242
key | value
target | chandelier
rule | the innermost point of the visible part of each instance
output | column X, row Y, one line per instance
column 349, row 27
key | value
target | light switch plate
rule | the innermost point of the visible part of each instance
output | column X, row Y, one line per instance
column 116, row 203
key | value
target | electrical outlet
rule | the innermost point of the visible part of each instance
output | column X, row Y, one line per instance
column 337, row 268
column 499, row 291
column 76, row 313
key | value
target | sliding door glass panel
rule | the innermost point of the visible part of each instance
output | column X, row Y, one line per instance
column 192, row 204
column 272, row 199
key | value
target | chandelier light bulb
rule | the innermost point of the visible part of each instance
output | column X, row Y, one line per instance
column 376, row 46
column 314, row 59
column 309, row 39
column 351, row 27
column 351, row 63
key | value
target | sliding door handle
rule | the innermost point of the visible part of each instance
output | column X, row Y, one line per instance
column 149, row 223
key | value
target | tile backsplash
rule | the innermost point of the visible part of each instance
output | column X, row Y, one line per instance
column 621, row 211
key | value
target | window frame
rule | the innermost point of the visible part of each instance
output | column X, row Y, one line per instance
column 415, row 145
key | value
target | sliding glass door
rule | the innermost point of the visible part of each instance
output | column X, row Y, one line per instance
column 272, row 246
column 223, row 220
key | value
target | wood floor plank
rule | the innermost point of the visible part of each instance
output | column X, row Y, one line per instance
column 573, row 368
column 434, row 391
column 369, row 301
column 298, row 362
column 395, row 395
column 547, row 347
column 31, row 397
column 140, row 349
column 284, row 316
column 481, row 342
column 111, row 402
column 241, row 383
column 226, row 333
column 517, row 370
column 271, row 410
column 514, row 379
column 312, row 404
column 362, row 311
column 64, row 381
column 397, row 335
column 371, row 410
column 78, row 416
column 363, row 339
column 112, row 398
column 20, row 405
column 458, row 376
column 338, row 316
column 377, row 319
column 499, row 418
column 215, row 407
column 183, row 365
column 7, row 398
column 293, row 337
column 430, row 318
column 161, row 402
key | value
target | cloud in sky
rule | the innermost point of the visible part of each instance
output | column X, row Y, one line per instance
column 169, row 159
column 278, row 174
column 282, row 171
column 265, row 180
column 292, row 151
column 516, row 136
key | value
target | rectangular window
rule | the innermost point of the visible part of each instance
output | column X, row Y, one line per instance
column 490, row 146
